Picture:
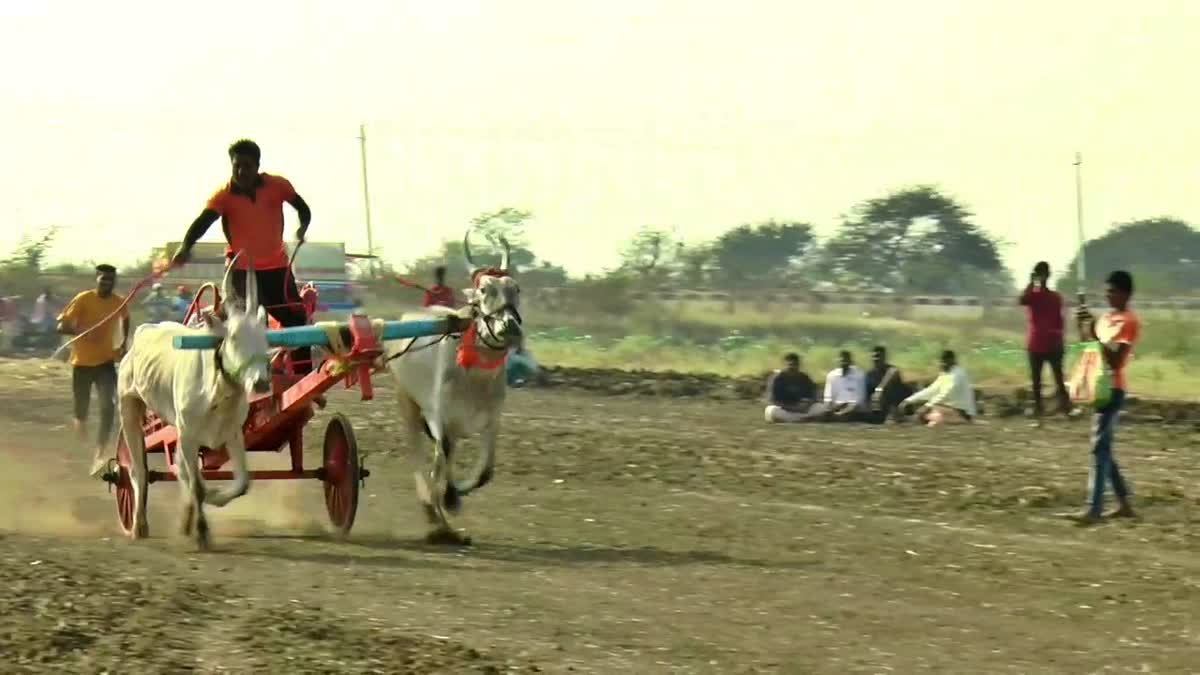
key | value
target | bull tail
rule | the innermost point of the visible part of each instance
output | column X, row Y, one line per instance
column 241, row 477
column 481, row 473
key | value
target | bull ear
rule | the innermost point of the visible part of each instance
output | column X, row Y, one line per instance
column 262, row 315
column 471, row 295
column 214, row 323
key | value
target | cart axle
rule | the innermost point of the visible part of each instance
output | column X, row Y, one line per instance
column 279, row 474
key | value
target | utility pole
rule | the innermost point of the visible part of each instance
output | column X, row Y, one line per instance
column 362, row 144
column 1080, row 266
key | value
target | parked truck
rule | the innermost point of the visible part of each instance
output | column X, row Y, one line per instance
column 321, row 263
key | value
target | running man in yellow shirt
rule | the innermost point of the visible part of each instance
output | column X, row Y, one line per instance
column 94, row 356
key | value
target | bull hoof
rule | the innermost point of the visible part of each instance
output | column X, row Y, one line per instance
column 185, row 521
column 203, row 540
column 452, row 500
column 431, row 514
column 448, row 537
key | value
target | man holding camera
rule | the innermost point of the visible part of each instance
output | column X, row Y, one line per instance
column 1044, row 337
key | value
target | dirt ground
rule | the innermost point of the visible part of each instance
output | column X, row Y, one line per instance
column 621, row 535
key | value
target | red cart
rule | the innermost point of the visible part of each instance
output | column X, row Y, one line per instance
column 277, row 419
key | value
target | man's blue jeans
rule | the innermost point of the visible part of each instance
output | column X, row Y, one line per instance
column 1104, row 465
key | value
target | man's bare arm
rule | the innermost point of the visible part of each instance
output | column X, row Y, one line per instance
column 1023, row 298
column 196, row 230
column 303, row 212
column 1114, row 357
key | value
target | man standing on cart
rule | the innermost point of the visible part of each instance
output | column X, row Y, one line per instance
column 250, row 207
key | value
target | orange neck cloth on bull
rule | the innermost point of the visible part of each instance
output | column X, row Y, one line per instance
column 468, row 355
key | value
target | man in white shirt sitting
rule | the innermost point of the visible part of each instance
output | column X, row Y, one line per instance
column 949, row 400
column 845, row 395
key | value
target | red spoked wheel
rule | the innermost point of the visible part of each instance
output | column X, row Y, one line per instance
column 124, row 486
column 342, row 473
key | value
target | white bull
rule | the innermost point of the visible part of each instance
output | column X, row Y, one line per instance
column 202, row 393
column 454, row 388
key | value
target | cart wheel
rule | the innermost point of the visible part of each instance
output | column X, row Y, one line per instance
column 124, row 484
column 341, row 473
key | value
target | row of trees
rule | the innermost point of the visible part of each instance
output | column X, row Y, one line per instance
column 914, row 240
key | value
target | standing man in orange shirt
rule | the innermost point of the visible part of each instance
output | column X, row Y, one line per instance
column 250, row 207
column 94, row 356
column 1117, row 331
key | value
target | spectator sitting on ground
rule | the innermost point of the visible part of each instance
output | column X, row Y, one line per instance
column 845, row 394
column 885, row 388
column 949, row 400
column 790, row 392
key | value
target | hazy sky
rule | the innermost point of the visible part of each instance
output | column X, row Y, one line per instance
column 599, row 117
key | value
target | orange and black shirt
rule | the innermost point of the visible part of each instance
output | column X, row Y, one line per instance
column 254, row 222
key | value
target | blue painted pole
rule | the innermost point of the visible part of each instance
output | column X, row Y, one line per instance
column 312, row 336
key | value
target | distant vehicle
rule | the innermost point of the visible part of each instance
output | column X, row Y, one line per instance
column 335, row 296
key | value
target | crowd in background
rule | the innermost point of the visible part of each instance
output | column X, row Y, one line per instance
column 877, row 396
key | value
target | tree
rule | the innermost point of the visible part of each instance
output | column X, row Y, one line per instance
column 507, row 223
column 1161, row 252
column 915, row 240
column 649, row 255
column 30, row 254
column 695, row 264
column 20, row 271
column 751, row 255
column 486, row 231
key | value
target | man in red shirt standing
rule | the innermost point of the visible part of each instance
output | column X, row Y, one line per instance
column 1044, row 337
column 439, row 293
column 250, row 207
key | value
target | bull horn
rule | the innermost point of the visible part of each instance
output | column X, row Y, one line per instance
column 227, row 290
column 466, row 250
column 251, row 287
column 507, row 254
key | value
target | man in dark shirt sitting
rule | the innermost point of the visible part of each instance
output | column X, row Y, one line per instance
column 885, row 388
column 790, row 392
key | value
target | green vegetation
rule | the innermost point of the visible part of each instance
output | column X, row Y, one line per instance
column 753, row 343
column 913, row 240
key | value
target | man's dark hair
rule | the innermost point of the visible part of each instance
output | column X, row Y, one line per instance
column 880, row 349
column 246, row 147
column 1122, row 281
column 948, row 355
column 791, row 356
column 845, row 354
column 1042, row 267
column 439, row 271
column 105, row 268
